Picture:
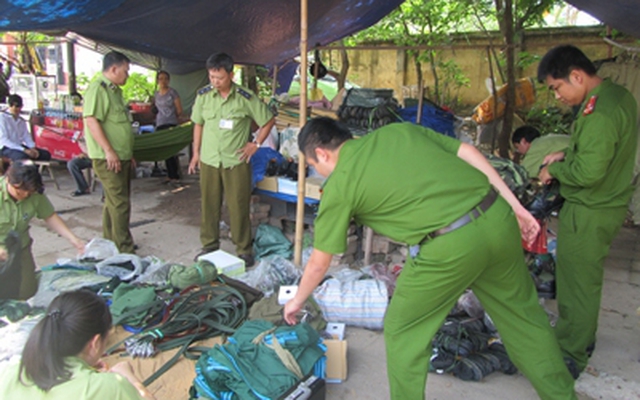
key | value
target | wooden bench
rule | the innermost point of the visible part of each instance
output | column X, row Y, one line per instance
column 91, row 177
column 42, row 165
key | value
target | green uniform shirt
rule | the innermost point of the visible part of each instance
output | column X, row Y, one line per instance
column 227, row 123
column 16, row 215
column 103, row 101
column 540, row 148
column 403, row 181
column 598, row 165
column 86, row 384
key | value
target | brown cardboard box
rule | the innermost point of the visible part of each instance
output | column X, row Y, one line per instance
column 269, row 183
column 313, row 187
column 336, row 360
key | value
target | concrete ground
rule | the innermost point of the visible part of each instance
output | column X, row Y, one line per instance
column 165, row 224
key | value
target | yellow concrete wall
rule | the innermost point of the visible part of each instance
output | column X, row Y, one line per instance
column 390, row 68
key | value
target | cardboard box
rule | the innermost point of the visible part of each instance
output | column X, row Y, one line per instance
column 313, row 187
column 336, row 360
column 335, row 330
column 287, row 186
column 225, row 263
column 269, row 183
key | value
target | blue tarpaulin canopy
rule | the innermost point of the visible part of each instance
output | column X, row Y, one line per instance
column 184, row 33
column 622, row 15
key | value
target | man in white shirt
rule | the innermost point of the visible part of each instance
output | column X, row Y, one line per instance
column 16, row 143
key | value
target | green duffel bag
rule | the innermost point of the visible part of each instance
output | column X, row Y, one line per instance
column 202, row 272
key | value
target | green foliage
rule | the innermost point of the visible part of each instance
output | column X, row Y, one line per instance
column 550, row 119
column 424, row 23
column 526, row 59
column 453, row 80
column 138, row 88
column 430, row 23
column 83, row 80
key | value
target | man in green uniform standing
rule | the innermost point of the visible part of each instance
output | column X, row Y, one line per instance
column 222, row 148
column 21, row 200
column 595, row 175
column 419, row 187
column 107, row 130
column 527, row 141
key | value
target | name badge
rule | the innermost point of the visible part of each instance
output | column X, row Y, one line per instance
column 226, row 124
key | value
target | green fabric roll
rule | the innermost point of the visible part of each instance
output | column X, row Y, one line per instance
column 160, row 145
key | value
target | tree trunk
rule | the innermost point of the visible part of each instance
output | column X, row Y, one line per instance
column 436, row 81
column 344, row 67
column 506, row 27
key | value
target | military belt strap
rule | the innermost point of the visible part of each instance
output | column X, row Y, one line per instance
column 475, row 212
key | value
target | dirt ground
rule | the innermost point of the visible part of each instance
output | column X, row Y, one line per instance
column 165, row 223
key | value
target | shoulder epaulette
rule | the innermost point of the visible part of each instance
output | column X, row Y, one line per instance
column 591, row 106
column 205, row 89
column 106, row 85
column 244, row 93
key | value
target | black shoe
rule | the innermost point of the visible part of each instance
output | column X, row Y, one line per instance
column 202, row 252
column 248, row 260
column 78, row 193
column 572, row 367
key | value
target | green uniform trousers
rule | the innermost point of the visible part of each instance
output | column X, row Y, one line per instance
column 235, row 184
column 116, row 213
column 28, row 281
column 584, row 239
column 486, row 255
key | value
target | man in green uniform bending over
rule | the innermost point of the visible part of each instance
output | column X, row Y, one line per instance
column 595, row 175
column 107, row 130
column 528, row 142
column 222, row 116
column 419, row 187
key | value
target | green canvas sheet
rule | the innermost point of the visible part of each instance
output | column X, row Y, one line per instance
column 158, row 146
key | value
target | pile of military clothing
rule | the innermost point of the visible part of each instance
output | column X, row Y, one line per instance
column 364, row 110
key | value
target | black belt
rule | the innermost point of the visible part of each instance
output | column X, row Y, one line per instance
column 475, row 212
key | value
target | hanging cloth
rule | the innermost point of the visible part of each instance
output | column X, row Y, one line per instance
column 160, row 145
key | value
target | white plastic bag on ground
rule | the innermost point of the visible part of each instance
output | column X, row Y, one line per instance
column 99, row 249
column 124, row 266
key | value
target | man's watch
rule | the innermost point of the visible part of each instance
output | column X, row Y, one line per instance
column 258, row 144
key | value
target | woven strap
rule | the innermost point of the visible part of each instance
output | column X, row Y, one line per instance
column 288, row 360
column 198, row 313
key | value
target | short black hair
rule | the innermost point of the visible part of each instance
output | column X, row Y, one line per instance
column 113, row 58
column 162, row 72
column 561, row 60
column 14, row 100
column 526, row 132
column 24, row 175
column 220, row 61
column 324, row 133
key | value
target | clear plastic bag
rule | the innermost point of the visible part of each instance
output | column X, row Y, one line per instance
column 471, row 305
column 124, row 266
column 156, row 271
column 99, row 249
column 272, row 273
